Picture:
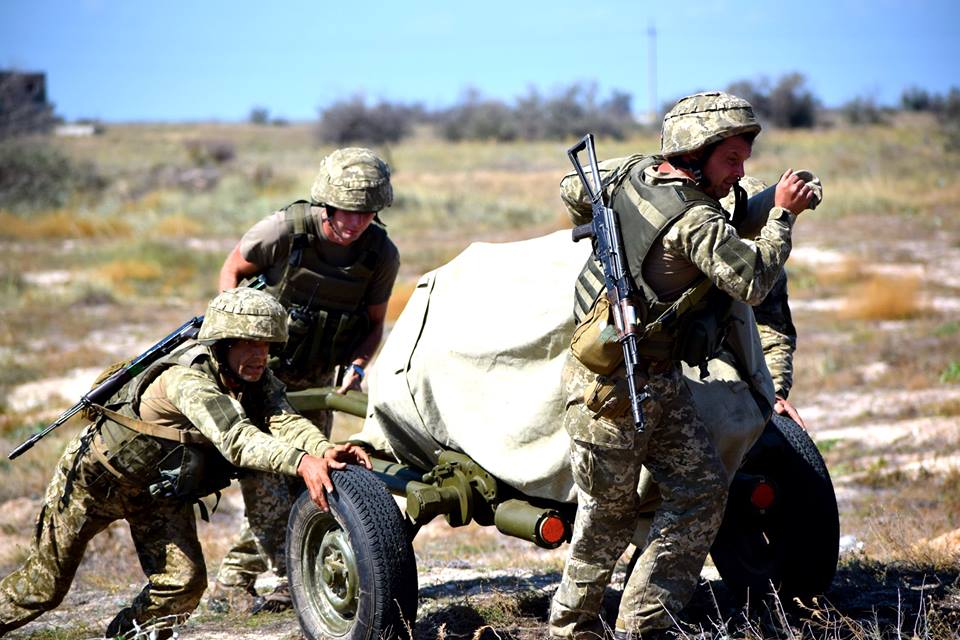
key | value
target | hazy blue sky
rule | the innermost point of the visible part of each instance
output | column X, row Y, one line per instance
column 122, row 60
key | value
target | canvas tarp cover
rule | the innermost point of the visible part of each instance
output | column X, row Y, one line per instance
column 473, row 364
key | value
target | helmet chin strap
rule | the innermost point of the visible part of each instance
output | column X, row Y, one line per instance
column 326, row 217
column 229, row 376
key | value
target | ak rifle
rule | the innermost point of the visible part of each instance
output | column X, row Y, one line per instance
column 103, row 391
column 604, row 231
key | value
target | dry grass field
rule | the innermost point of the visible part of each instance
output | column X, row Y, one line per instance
column 875, row 289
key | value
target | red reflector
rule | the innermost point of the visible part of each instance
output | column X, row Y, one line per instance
column 553, row 530
column 762, row 495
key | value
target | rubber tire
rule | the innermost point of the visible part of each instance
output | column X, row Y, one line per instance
column 802, row 526
column 364, row 531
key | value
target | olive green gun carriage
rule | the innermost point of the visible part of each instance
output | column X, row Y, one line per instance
column 353, row 573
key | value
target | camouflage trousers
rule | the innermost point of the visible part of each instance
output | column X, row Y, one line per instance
column 261, row 544
column 606, row 456
column 83, row 499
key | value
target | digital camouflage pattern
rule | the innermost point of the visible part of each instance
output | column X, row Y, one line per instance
column 703, row 119
column 83, row 498
column 244, row 313
column 275, row 442
column 574, row 196
column 606, row 453
column 353, row 179
column 744, row 270
column 261, row 544
column 606, row 456
column 336, row 292
column 778, row 336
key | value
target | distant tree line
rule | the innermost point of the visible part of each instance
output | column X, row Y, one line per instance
column 578, row 108
column 569, row 112
column 788, row 103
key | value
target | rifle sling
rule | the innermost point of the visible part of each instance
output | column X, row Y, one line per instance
column 183, row 436
column 688, row 300
column 99, row 455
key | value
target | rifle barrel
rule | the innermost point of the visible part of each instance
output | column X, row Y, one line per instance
column 103, row 391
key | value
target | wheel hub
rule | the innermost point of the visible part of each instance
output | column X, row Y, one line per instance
column 337, row 570
column 331, row 575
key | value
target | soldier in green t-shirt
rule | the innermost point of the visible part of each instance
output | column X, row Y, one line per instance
column 330, row 263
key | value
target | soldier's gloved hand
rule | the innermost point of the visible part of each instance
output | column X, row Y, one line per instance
column 792, row 193
column 316, row 474
column 783, row 407
column 339, row 454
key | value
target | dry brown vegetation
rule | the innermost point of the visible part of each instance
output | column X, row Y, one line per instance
column 877, row 371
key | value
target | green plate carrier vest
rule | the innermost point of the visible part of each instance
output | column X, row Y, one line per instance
column 689, row 329
column 184, row 465
column 327, row 305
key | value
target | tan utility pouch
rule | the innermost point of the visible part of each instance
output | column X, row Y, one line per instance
column 594, row 342
column 607, row 396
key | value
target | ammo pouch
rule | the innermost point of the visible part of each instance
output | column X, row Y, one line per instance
column 702, row 332
column 699, row 340
column 191, row 472
column 318, row 341
column 608, row 396
column 171, row 463
column 594, row 342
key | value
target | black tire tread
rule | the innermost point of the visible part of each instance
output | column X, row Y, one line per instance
column 804, row 525
column 362, row 503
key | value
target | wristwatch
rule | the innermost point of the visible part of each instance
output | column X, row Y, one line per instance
column 359, row 370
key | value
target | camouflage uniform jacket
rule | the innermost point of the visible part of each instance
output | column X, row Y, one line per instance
column 704, row 236
column 701, row 241
column 778, row 335
column 252, row 427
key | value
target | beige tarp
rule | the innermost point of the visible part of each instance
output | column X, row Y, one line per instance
column 473, row 364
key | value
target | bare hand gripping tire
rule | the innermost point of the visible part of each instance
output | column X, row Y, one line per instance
column 793, row 544
column 352, row 571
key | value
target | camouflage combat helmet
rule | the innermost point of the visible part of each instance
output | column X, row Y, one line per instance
column 244, row 314
column 353, row 179
column 703, row 119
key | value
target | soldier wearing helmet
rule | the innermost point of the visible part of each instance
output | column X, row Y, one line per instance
column 329, row 262
column 690, row 266
column 175, row 433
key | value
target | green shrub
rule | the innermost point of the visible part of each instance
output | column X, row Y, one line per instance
column 951, row 374
column 352, row 120
column 35, row 175
column 863, row 111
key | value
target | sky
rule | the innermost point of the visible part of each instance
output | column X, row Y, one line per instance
column 195, row 60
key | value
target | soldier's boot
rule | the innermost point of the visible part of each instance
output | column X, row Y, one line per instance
column 125, row 625
column 226, row 598
column 276, row 601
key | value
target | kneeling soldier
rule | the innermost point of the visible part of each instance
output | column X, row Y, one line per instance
column 173, row 434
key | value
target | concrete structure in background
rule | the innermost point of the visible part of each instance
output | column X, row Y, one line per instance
column 23, row 103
